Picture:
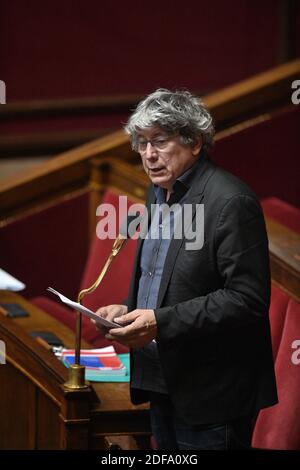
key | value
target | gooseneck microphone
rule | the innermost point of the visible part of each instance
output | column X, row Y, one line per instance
column 127, row 230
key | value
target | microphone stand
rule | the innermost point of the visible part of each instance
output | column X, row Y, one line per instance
column 76, row 378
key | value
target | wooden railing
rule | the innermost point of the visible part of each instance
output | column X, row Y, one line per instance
column 261, row 94
column 109, row 160
column 264, row 93
column 69, row 107
column 284, row 248
column 32, row 115
column 109, row 111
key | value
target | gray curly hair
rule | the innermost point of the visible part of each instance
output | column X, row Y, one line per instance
column 175, row 112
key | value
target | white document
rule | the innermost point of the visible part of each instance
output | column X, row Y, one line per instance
column 84, row 310
column 8, row 282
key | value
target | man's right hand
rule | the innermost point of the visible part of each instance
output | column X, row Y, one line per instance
column 109, row 313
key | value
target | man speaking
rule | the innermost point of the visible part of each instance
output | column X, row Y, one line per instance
column 196, row 318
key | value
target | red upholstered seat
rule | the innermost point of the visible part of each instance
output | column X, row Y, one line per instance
column 282, row 212
column 278, row 427
column 113, row 288
column 115, row 284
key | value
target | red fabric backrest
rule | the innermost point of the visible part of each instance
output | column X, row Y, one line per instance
column 114, row 287
column 278, row 427
column 282, row 212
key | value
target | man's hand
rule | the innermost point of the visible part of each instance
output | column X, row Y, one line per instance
column 142, row 328
column 110, row 312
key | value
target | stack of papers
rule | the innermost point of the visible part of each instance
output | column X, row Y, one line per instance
column 99, row 362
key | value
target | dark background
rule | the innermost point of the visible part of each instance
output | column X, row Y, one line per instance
column 59, row 49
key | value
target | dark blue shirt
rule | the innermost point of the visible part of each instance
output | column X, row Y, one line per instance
column 147, row 372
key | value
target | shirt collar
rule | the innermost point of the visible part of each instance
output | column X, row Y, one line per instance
column 182, row 184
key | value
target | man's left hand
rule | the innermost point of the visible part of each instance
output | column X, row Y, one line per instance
column 141, row 330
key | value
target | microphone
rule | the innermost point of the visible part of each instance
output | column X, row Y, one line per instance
column 127, row 230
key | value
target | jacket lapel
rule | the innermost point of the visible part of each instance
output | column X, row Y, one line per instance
column 195, row 196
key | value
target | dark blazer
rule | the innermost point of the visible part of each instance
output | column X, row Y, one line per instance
column 212, row 312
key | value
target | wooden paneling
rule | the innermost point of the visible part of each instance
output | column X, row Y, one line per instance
column 284, row 247
column 38, row 412
column 17, row 411
column 48, row 423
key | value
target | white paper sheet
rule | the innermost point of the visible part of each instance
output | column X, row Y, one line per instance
column 84, row 310
column 8, row 282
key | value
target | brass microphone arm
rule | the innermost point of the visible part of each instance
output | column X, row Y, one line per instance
column 118, row 244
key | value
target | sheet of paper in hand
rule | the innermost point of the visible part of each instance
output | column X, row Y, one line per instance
column 85, row 311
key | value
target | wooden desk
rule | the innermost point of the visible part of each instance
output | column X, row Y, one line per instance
column 284, row 248
column 37, row 412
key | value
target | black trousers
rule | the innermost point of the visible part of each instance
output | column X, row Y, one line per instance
column 172, row 433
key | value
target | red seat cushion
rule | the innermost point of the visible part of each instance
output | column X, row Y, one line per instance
column 278, row 427
column 282, row 212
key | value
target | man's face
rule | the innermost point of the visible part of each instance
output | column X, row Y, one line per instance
column 167, row 158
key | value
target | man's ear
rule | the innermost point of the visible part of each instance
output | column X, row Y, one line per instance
column 196, row 147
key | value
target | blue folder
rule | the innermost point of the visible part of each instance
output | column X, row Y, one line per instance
column 111, row 378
